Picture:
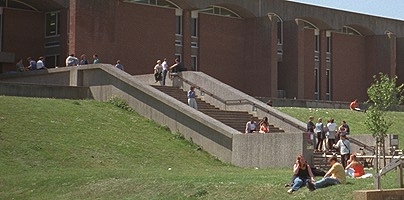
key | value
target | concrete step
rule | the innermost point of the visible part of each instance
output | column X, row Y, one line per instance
column 234, row 119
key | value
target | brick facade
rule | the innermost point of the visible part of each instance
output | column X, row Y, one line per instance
column 242, row 52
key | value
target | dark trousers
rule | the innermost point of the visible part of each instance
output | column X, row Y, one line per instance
column 164, row 77
column 331, row 142
column 319, row 141
column 344, row 159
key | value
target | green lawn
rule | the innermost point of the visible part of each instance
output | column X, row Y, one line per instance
column 355, row 120
column 67, row 149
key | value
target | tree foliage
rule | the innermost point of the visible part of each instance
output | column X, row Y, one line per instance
column 383, row 94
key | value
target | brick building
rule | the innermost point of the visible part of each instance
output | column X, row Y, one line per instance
column 271, row 48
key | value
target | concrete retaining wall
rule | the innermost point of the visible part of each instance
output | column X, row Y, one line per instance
column 391, row 194
column 227, row 144
column 217, row 90
column 44, row 91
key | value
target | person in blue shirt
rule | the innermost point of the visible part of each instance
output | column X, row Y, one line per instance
column 119, row 65
column 32, row 64
column 191, row 97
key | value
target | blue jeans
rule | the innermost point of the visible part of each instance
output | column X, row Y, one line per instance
column 164, row 77
column 327, row 181
column 299, row 182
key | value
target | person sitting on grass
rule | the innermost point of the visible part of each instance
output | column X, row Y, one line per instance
column 302, row 175
column 334, row 176
column 354, row 167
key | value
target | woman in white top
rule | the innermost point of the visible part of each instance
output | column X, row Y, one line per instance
column 319, row 130
column 332, row 129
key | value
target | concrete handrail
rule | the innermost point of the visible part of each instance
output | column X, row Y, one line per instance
column 242, row 102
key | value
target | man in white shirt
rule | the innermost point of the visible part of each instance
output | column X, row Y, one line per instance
column 71, row 61
column 165, row 70
column 251, row 126
column 40, row 64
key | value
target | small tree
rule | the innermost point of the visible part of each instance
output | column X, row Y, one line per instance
column 383, row 95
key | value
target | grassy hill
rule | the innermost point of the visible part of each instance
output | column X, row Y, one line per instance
column 355, row 120
column 67, row 149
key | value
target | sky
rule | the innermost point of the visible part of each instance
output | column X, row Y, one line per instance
column 393, row 9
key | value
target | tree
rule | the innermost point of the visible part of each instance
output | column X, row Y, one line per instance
column 383, row 95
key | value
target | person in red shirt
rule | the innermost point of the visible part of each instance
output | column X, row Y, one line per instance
column 354, row 105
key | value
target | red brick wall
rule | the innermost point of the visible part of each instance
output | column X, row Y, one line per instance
column 308, row 63
column 349, row 67
column 23, row 34
column 400, row 60
column 221, row 49
column 136, row 34
column 288, row 67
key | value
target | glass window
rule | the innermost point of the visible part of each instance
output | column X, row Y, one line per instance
column 328, row 77
column 328, row 44
column 316, row 83
column 178, row 25
column 316, row 43
column 162, row 3
column 194, row 27
column 279, row 32
column 1, row 30
column 51, row 61
column 217, row 10
column 194, row 63
column 52, row 24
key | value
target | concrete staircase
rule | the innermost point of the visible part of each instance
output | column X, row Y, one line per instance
column 234, row 119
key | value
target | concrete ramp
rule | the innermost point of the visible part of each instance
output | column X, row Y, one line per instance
column 101, row 82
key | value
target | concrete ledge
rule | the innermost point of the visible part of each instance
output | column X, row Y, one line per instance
column 44, row 91
column 391, row 194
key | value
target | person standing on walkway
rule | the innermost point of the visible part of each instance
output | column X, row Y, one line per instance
column 332, row 130
column 344, row 147
column 320, row 135
column 165, row 70
column 191, row 97
column 310, row 131
column 96, row 60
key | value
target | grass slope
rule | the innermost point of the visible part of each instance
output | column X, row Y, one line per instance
column 66, row 149
column 355, row 120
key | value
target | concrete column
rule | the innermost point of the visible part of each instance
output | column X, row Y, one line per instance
column 186, row 35
column 300, row 60
column 273, row 64
column 393, row 54
column 73, row 76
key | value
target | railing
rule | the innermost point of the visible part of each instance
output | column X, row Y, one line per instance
column 246, row 101
column 242, row 102
column 363, row 145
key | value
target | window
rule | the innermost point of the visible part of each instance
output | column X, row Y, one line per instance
column 52, row 44
column 194, row 27
column 350, row 31
column 51, row 61
column 178, row 43
column 280, row 32
column 217, row 10
column 316, row 83
column 178, row 25
column 328, row 89
column 328, row 44
column 194, row 63
column 179, row 56
column 1, row 29
column 316, row 40
column 52, row 24
column 162, row 3
column 194, row 44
